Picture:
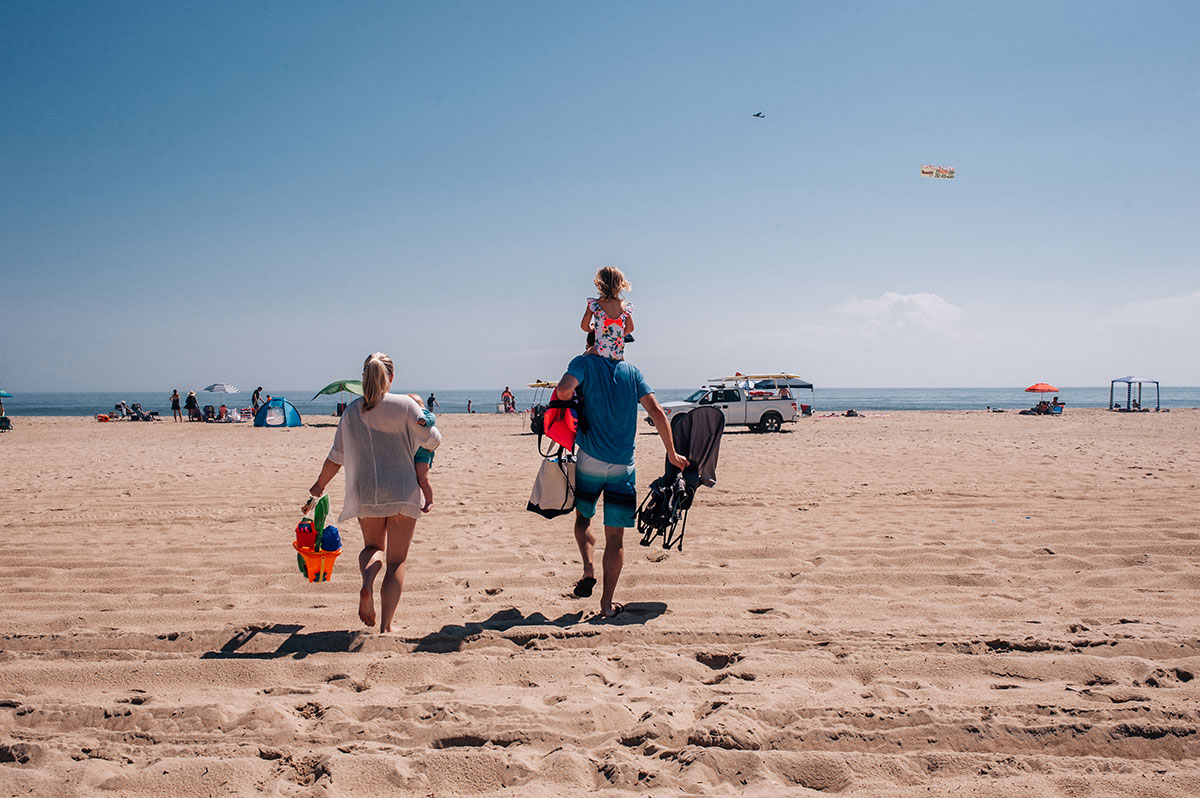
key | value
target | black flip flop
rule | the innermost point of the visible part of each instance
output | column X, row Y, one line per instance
column 583, row 588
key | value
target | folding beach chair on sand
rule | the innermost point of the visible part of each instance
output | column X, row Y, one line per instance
column 664, row 511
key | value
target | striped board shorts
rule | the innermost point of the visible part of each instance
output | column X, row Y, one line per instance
column 617, row 483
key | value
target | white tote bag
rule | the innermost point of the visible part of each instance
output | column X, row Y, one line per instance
column 554, row 489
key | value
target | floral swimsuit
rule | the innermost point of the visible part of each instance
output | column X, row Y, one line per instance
column 610, row 333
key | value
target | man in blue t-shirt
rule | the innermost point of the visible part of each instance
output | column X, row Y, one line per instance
column 612, row 390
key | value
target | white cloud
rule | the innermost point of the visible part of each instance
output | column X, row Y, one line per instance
column 1169, row 312
column 923, row 311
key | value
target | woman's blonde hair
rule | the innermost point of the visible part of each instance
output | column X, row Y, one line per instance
column 377, row 378
column 610, row 282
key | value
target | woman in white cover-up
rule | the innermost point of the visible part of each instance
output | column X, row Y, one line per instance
column 380, row 440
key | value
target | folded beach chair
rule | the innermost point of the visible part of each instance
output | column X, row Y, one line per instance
column 664, row 510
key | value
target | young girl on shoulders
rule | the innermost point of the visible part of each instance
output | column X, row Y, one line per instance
column 608, row 315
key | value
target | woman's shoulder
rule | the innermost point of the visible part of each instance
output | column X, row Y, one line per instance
column 398, row 404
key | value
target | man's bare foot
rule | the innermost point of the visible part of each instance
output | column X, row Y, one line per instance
column 366, row 607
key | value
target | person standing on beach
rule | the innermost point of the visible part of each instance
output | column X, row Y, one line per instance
column 378, row 440
column 433, row 402
column 193, row 407
column 256, row 400
column 469, row 410
column 612, row 390
column 175, row 404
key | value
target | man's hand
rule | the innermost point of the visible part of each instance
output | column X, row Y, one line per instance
column 678, row 460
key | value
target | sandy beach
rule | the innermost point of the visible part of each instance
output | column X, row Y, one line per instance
column 906, row 604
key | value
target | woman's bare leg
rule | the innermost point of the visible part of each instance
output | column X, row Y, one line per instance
column 370, row 562
column 400, row 530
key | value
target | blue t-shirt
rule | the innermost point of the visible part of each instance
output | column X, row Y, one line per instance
column 611, row 391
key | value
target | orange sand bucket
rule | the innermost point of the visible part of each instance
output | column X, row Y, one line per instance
column 318, row 564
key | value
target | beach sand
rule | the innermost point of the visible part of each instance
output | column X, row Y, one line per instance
column 907, row 604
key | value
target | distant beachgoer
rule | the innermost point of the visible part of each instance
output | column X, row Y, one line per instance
column 256, row 400
column 192, row 406
column 608, row 315
column 378, row 440
column 175, row 405
column 433, row 402
column 785, row 392
column 508, row 400
column 469, row 410
column 222, row 413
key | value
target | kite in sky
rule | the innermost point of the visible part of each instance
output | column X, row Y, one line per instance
column 946, row 172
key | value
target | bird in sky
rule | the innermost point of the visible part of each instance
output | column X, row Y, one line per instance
column 761, row 115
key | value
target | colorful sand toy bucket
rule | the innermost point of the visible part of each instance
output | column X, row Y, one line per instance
column 315, row 562
column 318, row 565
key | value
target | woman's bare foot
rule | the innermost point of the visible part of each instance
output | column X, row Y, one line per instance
column 366, row 607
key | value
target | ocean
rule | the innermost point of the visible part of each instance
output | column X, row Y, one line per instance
column 485, row 400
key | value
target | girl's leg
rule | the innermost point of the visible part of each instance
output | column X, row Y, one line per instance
column 370, row 562
column 400, row 530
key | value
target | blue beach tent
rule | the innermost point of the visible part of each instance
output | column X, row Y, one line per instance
column 278, row 412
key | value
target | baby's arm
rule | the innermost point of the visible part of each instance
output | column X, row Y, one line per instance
column 426, row 488
column 586, row 323
column 629, row 323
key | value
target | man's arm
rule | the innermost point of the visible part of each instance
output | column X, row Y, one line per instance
column 654, row 409
column 566, row 388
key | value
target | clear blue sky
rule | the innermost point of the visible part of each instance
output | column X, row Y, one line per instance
column 264, row 193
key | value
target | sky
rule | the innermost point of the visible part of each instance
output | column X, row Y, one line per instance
column 265, row 193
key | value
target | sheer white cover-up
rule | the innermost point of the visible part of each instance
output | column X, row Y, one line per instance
column 376, row 448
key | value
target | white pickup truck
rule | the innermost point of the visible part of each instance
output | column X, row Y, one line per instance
column 763, row 402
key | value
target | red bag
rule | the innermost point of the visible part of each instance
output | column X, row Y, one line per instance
column 561, row 424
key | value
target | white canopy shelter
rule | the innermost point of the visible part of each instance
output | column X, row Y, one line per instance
column 1129, row 400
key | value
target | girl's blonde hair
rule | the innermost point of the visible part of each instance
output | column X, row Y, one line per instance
column 610, row 282
column 377, row 378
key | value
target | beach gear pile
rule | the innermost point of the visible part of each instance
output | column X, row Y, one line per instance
column 316, row 551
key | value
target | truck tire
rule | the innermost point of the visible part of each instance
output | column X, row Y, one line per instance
column 771, row 422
